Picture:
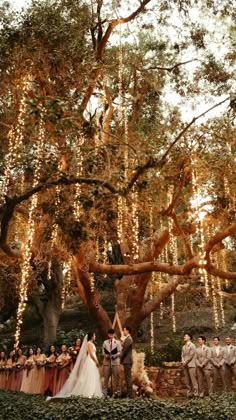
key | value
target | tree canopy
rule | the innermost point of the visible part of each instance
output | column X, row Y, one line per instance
column 117, row 158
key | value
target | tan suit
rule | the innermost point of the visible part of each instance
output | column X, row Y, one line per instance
column 230, row 365
column 188, row 357
column 204, row 366
column 218, row 362
column 111, row 364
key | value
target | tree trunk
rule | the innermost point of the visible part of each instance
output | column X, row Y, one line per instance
column 50, row 317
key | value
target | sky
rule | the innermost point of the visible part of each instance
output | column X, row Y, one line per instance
column 188, row 110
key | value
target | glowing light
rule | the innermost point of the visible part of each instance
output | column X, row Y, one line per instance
column 66, row 281
column 214, row 300
column 173, row 248
column 92, row 282
column 26, row 266
column 77, row 208
column 15, row 140
column 54, row 234
column 120, row 79
column 199, row 214
column 220, row 264
column 135, row 226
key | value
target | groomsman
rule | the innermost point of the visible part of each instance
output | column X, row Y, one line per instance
column 204, row 366
column 111, row 363
column 127, row 359
column 230, row 363
column 218, row 362
column 189, row 364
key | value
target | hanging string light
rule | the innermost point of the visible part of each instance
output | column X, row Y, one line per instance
column 135, row 225
column 221, row 299
column 92, row 282
column 214, row 284
column 152, row 337
column 15, row 139
column 66, row 282
column 199, row 216
column 120, row 77
column 214, row 301
column 77, row 208
column 173, row 250
column 54, row 234
column 26, row 266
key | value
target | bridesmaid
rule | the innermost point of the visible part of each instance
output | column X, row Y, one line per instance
column 50, row 371
column 3, row 375
column 9, row 367
column 29, row 368
column 18, row 370
column 38, row 375
column 62, row 361
column 74, row 351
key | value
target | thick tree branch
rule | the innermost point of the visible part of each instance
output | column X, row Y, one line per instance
column 100, row 47
column 159, row 163
column 165, row 292
column 145, row 267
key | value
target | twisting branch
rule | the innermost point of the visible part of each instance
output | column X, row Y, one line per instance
column 101, row 44
column 145, row 267
column 172, row 67
column 159, row 163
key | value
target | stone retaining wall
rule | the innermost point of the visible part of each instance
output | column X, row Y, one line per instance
column 169, row 380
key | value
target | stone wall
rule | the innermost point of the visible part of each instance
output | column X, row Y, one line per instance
column 169, row 380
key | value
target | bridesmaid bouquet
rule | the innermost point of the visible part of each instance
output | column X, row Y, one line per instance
column 39, row 364
column 29, row 364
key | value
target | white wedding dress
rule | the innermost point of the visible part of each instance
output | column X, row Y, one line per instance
column 84, row 380
column 88, row 383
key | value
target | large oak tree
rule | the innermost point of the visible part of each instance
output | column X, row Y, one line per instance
column 108, row 116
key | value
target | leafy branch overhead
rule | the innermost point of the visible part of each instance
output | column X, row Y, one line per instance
column 117, row 157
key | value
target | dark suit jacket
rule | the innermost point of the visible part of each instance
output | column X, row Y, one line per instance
column 126, row 354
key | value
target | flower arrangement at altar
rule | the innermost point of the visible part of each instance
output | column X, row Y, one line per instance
column 141, row 383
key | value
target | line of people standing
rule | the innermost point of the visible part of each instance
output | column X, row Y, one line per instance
column 73, row 372
column 204, row 366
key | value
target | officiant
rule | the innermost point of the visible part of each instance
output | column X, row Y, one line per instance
column 111, row 364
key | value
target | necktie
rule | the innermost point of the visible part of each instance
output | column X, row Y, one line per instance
column 110, row 345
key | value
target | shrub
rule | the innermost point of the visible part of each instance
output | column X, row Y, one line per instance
column 16, row 405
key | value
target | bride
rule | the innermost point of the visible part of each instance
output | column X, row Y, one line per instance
column 84, row 379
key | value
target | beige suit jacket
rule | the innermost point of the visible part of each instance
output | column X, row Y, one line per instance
column 189, row 355
column 217, row 359
column 230, row 354
column 115, row 358
column 203, row 357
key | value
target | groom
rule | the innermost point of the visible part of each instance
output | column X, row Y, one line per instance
column 111, row 363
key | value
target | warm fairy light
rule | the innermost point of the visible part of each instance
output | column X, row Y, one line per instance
column 221, row 302
column 152, row 342
column 199, row 215
column 214, row 301
column 173, row 249
column 220, row 264
column 26, row 266
column 135, row 225
column 15, row 140
column 54, row 234
column 77, row 208
column 92, row 282
column 120, row 79
column 66, row 282
column 122, row 219
column 173, row 312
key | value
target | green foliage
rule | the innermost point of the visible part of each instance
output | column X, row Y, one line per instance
column 170, row 352
column 15, row 405
column 68, row 337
